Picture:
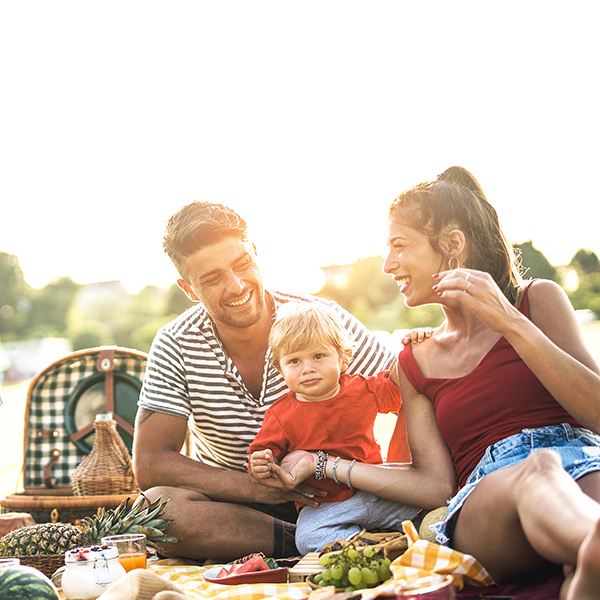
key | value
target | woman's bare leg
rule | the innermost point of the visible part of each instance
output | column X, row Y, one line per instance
column 520, row 517
column 585, row 584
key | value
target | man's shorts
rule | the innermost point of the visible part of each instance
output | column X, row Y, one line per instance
column 285, row 512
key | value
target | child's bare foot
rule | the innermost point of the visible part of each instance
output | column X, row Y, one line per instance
column 585, row 584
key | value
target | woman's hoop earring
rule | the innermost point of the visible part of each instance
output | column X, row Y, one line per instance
column 457, row 263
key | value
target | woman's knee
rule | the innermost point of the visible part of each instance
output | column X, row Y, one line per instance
column 542, row 460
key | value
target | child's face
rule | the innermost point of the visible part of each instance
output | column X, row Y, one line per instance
column 313, row 374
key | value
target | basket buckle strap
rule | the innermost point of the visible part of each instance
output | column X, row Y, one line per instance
column 106, row 363
column 48, row 480
column 47, row 433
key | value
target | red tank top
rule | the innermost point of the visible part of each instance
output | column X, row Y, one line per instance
column 499, row 398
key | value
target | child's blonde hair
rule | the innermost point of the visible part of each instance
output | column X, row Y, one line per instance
column 303, row 324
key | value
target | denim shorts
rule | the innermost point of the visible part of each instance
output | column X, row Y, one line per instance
column 578, row 448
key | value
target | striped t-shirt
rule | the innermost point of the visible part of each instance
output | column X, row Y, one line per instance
column 189, row 375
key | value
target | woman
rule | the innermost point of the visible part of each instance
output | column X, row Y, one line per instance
column 505, row 374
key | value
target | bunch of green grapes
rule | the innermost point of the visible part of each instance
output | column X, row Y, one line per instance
column 353, row 569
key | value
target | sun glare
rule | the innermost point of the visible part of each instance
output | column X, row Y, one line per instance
column 279, row 275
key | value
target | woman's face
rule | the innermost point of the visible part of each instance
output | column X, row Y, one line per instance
column 411, row 261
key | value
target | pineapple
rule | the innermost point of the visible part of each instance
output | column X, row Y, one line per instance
column 57, row 538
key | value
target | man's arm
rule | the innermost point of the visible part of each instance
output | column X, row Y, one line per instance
column 158, row 462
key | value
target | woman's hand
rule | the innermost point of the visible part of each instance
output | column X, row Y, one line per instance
column 290, row 475
column 550, row 342
column 478, row 292
column 295, row 467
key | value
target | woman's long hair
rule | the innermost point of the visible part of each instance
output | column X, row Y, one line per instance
column 455, row 200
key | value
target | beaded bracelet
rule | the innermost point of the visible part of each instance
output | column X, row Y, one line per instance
column 335, row 464
column 348, row 482
column 321, row 464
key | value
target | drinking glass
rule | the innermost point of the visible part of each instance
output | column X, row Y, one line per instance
column 131, row 547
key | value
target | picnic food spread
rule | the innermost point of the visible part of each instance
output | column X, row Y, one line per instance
column 353, row 568
column 254, row 563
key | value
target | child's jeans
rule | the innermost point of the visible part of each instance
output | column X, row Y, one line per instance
column 329, row 522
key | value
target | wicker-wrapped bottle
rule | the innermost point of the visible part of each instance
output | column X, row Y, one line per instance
column 107, row 469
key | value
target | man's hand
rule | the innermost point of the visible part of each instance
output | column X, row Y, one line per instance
column 272, row 491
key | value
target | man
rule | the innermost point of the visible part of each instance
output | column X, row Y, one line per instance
column 210, row 368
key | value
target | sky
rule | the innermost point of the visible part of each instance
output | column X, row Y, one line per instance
column 308, row 117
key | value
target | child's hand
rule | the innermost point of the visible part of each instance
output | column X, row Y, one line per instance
column 260, row 464
column 415, row 336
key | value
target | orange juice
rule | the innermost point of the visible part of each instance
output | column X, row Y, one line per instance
column 135, row 560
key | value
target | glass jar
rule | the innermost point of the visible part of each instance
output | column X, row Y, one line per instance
column 89, row 571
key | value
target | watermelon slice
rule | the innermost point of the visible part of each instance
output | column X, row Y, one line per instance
column 256, row 563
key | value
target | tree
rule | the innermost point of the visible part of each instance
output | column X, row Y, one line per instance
column 587, row 294
column 89, row 334
column 176, row 301
column 371, row 296
column 534, row 262
column 144, row 317
column 15, row 299
column 587, row 291
column 585, row 262
column 362, row 279
column 50, row 307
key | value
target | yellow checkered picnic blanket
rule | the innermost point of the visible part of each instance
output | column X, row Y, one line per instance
column 190, row 580
column 423, row 559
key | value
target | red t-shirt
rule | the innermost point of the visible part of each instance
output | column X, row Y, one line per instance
column 499, row 398
column 341, row 426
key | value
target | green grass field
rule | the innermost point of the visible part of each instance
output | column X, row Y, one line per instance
column 13, row 407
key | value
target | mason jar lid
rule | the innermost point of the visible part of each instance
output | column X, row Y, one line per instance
column 91, row 554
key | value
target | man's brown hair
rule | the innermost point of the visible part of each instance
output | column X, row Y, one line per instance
column 197, row 225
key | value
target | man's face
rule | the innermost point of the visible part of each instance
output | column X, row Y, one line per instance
column 225, row 278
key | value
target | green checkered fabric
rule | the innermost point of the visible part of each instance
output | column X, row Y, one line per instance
column 49, row 394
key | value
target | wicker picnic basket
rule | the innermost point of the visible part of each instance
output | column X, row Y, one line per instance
column 62, row 401
column 107, row 469
column 392, row 543
column 46, row 563
column 59, row 431
column 60, row 506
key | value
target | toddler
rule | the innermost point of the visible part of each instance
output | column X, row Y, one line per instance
column 329, row 412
